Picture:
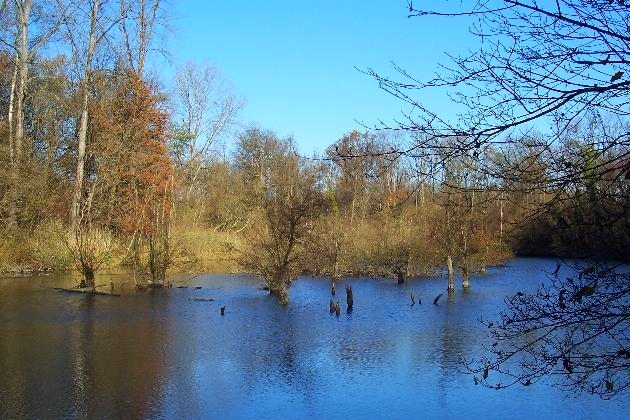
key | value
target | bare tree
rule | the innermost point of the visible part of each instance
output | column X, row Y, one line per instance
column 90, row 248
column 288, row 201
column 139, row 24
column 544, row 68
column 205, row 109
column 559, row 60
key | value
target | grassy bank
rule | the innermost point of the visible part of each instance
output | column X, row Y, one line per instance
column 44, row 250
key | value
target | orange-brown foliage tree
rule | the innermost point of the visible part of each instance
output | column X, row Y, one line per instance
column 130, row 171
column 130, row 157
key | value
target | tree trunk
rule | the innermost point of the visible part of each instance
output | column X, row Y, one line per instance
column 135, row 249
column 451, row 274
column 13, row 172
column 10, row 116
column 349, row 298
column 281, row 293
column 278, row 284
column 83, row 121
column 143, row 38
column 335, row 273
column 141, row 34
column 501, row 219
column 400, row 276
column 465, row 276
column 17, row 98
column 352, row 210
column 88, row 278
column 78, row 183
column 465, row 265
column 22, row 67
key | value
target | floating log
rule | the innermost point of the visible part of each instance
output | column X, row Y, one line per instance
column 86, row 291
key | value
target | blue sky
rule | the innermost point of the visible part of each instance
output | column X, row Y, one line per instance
column 295, row 62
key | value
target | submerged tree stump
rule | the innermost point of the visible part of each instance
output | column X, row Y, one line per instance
column 451, row 274
column 465, row 277
column 283, row 296
column 349, row 297
column 401, row 276
column 281, row 293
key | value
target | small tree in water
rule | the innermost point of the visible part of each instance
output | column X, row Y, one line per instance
column 288, row 201
column 90, row 248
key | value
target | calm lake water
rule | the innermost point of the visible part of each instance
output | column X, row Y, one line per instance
column 161, row 354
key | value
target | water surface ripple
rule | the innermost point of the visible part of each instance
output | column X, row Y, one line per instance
column 162, row 354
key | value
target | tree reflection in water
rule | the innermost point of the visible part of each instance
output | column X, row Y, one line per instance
column 162, row 354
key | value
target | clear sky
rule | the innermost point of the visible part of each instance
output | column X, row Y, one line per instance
column 295, row 62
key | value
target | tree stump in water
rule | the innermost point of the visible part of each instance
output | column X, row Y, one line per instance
column 283, row 297
column 349, row 298
column 451, row 274
column 281, row 293
column 401, row 277
column 465, row 277
column 222, row 310
column 332, row 289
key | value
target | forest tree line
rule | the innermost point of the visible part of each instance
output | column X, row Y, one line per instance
column 103, row 166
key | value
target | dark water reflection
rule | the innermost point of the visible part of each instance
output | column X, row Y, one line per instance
column 160, row 354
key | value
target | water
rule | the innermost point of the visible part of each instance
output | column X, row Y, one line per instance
column 160, row 354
